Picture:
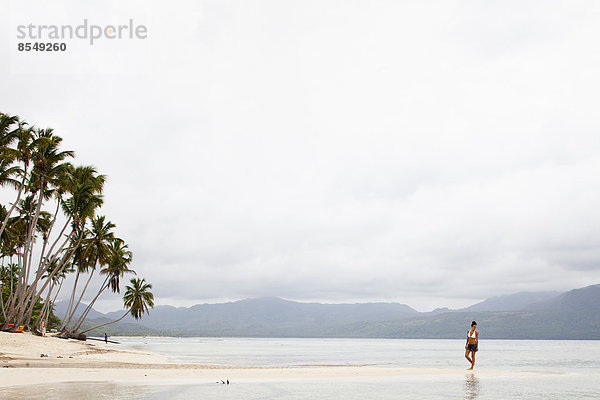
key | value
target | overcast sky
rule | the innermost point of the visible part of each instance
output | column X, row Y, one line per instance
column 432, row 153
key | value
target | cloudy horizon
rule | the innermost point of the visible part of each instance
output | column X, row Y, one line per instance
column 433, row 154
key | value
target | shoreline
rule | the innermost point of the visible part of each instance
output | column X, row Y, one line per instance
column 77, row 361
column 182, row 374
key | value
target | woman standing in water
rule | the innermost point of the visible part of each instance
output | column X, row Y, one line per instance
column 472, row 343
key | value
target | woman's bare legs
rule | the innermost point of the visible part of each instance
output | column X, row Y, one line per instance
column 472, row 360
column 468, row 358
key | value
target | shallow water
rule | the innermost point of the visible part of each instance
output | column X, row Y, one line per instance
column 526, row 370
column 514, row 355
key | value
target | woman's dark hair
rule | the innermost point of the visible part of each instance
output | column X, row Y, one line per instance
column 473, row 323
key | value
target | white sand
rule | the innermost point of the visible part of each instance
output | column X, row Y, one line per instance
column 21, row 364
column 20, row 349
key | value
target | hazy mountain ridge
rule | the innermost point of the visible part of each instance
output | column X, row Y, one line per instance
column 512, row 302
column 266, row 316
column 574, row 300
column 544, row 315
column 60, row 309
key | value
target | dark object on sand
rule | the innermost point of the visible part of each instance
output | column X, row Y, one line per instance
column 102, row 340
column 71, row 335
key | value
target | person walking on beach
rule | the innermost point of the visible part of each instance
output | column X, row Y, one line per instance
column 472, row 344
column 105, row 338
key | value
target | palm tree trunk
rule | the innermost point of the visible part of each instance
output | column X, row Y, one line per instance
column 67, row 312
column 82, row 293
column 29, row 313
column 15, row 203
column 42, row 263
column 47, row 258
column 106, row 323
column 51, row 308
column 28, row 249
column 60, row 265
column 89, row 307
column 2, row 304
column 51, row 227
column 42, row 315
column 67, row 319
column 27, row 254
column 9, row 300
column 13, row 304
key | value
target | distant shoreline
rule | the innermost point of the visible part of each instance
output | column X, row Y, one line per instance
column 571, row 315
column 346, row 337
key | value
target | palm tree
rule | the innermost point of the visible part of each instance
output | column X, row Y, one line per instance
column 137, row 300
column 21, row 153
column 6, row 134
column 17, row 239
column 32, row 162
column 118, row 266
column 13, row 242
column 95, row 249
column 48, row 166
column 7, row 277
column 7, row 172
column 58, row 279
column 85, row 188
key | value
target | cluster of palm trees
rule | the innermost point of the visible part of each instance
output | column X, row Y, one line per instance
column 52, row 231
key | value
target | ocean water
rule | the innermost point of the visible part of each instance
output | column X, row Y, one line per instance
column 522, row 370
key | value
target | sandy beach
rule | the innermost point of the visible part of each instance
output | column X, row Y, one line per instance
column 77, row 361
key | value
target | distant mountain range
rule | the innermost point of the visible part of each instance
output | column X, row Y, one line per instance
column 541, row 315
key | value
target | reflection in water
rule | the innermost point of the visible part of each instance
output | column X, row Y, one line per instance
column 78, row 391
column 471, row 387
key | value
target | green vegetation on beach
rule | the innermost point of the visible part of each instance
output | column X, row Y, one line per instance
column 53, row 230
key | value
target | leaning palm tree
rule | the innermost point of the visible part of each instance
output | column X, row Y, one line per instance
column 137, row 300
column 49, row 302
column 48, row 166
column 84, row 185
column 117, row 267
column 95, row 249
